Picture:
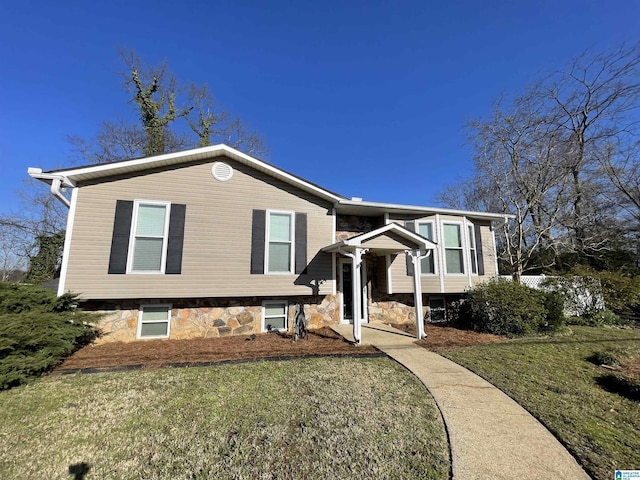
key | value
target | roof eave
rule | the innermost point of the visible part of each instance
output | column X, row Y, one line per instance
column 104, row 171
column 400, row 208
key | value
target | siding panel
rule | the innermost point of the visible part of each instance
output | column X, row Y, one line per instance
column 402, row 283
column 217, row 237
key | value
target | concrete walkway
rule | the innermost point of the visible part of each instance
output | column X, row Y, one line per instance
column 491, row 436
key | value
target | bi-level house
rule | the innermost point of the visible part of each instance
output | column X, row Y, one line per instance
column 214, row 242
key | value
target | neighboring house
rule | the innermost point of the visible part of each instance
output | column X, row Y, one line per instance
column 212, row 242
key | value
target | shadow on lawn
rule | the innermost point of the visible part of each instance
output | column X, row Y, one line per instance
column 620, row 384
column 79, row 470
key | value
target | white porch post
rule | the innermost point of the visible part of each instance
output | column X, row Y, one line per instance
column 356, row 276
column 416, row 260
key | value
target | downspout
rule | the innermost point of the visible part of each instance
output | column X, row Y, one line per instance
column 56, row 191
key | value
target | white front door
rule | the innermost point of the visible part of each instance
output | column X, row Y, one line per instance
column 345, row 288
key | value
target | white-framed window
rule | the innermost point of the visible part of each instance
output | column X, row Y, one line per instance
column 453, row 250
column 473, row 253
column 426, row 229
column 279, row 242
column 274, row 315
column 437, row 309
column 148, row 242
column 154, row 321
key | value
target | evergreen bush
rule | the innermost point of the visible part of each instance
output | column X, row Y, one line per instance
column 503, row 307
column 37, row 331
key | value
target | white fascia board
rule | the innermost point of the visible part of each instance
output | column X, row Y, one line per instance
column 50, row 176
column 355, row 242
column 429, row 210
column 403, row 232
column 96, row 172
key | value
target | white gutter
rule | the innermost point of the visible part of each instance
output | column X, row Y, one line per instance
column 420, row 209
column 57, row 181
column 56, row 185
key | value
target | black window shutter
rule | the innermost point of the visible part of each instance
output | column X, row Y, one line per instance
column 301, row 242
column 258, row 229
column 120, row 238
column 176, row 239
column 411, row 226
column 479, row 249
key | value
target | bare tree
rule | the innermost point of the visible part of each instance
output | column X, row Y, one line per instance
column 155, row 92
column 518, row 170
column 563, row 158
column 214, row 124
column 13, row 259
column 162, row 104
column 595, row 104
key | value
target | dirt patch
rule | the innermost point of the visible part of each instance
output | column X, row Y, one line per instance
column 631, row 368
column 158, row 353
column 443, row 336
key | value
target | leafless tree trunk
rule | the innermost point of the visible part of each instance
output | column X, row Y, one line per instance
column 564, row 159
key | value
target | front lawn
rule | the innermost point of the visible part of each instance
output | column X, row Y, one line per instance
column 552, row 378
column 314, row 418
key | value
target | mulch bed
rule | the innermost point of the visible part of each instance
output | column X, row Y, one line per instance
column 442, row 335
column 211, row 351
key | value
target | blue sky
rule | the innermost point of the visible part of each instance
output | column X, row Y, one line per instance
column 366, row 98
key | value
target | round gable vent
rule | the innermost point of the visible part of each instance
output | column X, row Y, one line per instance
column 221, row 171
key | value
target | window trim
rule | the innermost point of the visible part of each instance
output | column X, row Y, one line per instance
column 140, row 322
column 132, row 237
column 264, row 314
column 434, row 234
column 473, row 252
column 462, row 247
column 292, row 241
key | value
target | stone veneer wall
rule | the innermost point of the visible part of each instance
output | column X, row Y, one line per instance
column 208, row 317
column 396, row 308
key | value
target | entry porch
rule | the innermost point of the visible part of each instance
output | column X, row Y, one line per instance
column 391, row 239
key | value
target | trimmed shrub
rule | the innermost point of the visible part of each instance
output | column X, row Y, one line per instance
column 508, row 308
column 608, row 358
column 37, row 331
column 554, row 304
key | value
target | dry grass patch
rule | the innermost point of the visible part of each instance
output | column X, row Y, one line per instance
column 314, row 418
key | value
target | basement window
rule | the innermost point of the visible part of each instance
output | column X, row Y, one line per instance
column 154, row 321
column 274, row 316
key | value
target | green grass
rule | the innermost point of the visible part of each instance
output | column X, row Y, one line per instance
column 552, row 378
column 314, row 418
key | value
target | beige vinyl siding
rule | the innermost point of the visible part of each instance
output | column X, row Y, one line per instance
column 217, row 237
column 488, row 251
column 388, row 241
column 402, row 283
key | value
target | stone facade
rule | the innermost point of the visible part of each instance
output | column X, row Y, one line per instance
column 396, row 308
column 211, row 317
column 348, row 226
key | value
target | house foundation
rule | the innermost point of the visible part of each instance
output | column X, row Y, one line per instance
column 208, row 317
